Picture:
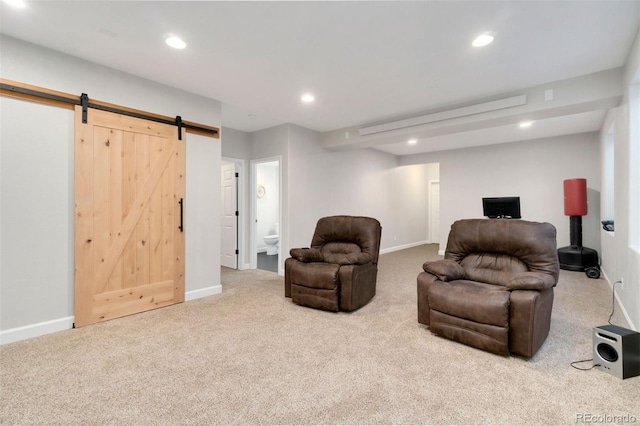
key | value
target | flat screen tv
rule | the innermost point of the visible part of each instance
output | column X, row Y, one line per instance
column 501, row 207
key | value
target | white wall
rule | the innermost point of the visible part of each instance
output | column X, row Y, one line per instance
column 532, row 170
column 236, row 147
column 36, row 226
column 620, row 258
column 37, row 174
column 235, row 144
column 360, row 182
column 202, row 217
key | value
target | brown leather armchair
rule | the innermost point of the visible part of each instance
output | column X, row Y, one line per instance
column 339, row 270
column 494, row 288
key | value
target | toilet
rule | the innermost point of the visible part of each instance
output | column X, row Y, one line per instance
column 272, row 241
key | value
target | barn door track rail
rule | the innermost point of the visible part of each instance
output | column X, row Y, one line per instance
column 52, row 97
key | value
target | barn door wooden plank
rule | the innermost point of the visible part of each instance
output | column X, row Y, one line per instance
column 155, row 216
column 83, row 218
column 143, row 165
column 115, row 200
column 179, row 194
column 168, row 220
column 128, row 197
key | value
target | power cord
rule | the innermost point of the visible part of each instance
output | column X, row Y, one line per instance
column 584, row 369
column 613, row 309
column 613, row 301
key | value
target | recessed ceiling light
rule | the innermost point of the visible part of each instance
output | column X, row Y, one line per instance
column 16, row 3
column 307, row 98
column 524, row 124
column 412, row 141
column 483, row 40
column 174, row 41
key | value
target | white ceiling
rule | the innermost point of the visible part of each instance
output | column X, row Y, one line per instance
column 366, row 62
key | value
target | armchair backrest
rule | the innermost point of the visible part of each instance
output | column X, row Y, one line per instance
column 494, row 250
column 348, row 234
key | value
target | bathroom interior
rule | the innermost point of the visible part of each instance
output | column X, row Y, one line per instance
column 267, row 215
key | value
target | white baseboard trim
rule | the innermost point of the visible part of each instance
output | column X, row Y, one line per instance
column 202, row 292
column 35, row 330
column 244, row 266
column 441, row 252
column 66, row 323
column 620, row 305
column 402, row 247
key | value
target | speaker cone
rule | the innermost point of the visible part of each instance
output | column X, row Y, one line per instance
column 607, row 352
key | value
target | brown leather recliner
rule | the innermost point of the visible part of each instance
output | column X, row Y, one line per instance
column 494, row 288
column 339, row 270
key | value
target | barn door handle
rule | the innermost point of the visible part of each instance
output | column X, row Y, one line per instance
column 181, row 227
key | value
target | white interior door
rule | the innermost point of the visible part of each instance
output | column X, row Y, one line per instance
column 229, row 216
column 434, row 211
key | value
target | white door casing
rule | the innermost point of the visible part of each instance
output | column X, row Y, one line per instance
column 434, row 211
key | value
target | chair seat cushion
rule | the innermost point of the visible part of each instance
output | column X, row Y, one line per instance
column 471, row 300
column 315, row 275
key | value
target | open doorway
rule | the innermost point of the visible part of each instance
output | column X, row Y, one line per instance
column 265, row 241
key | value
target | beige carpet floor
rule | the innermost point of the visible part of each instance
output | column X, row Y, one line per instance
column 251, row 356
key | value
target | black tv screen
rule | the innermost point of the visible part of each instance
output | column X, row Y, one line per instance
column 501, row 207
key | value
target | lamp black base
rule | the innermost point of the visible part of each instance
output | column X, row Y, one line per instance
column 577, row 258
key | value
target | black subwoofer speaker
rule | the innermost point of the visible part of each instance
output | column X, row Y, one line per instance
column 616, row 350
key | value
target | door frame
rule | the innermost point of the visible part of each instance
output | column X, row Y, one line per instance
column 241, row 169
column 431, row 198
column 253, row 250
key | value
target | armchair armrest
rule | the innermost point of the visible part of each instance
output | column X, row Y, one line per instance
column 531, row 281
column 306, row 255
column 444, row 269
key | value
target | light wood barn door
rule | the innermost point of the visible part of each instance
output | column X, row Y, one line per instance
column 129, row 183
